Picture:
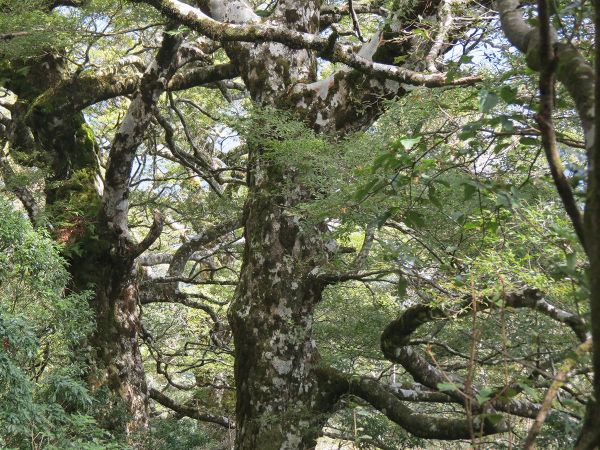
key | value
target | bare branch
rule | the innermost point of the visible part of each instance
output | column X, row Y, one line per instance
column 188, row 411
column 187, row 249
column 130, row 135
column 446, row 19
column 328, row 49
column 544, row 120
column 152, row 236
column 355, row 23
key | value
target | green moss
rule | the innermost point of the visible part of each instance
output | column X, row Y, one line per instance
column 76, row 197
column 75, row 202
column 86, row 151
column 15, row 77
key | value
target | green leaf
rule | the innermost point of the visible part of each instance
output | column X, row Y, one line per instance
column 408, row 143
column 179, row 31
column 459, row 217
column 487, row 100
column 366, row 189
column 447, row 387
column 414, row 219
column 432, row 195
column 442, row 182
column 527, row 389
column 507, row 124
column 468, row 191
column 526, row 140
column 501, row 146
column 571, row 261
column 385, row 216
column 508, row 94
column 466, row 134
column 384, row 161
column 484, row 396
column 504, row 199
column 495, row 419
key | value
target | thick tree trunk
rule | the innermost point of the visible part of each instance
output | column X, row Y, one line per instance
column 65, row 146
column 116, row 341
column 283, row 397
column 271, row 319
column 590, row 435
column 271, row 316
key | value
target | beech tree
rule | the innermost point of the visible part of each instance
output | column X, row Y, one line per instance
column 306, row 174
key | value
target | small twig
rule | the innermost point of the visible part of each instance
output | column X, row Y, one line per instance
column 559, row 380
column 471, row 366
column 355, row 23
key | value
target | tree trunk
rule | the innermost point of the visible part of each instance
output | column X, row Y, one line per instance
column 271, row 318
column 66, row 147
column 116, row 341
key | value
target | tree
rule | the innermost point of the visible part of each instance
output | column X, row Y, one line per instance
column 279, row 184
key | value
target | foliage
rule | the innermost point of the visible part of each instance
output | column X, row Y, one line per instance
column 40, row 28
column 43, row 401
column 443, row 198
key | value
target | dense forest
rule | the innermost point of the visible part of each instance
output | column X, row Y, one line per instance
column 296, row 224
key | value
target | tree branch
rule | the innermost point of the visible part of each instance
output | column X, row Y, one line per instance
column 572, row 69
column 188, row 411
column 445, row 22
column 334, row 383
column 91, row 88
column 187, row 249
column 152, row 236
column 227, row 32
column 544, row 120
column 129, row 136
column 395, row 342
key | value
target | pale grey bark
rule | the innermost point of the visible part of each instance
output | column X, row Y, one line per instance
column 117, row 303
column 327, row 48
column 445, row 21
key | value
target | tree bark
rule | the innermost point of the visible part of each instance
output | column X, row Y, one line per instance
column 89, row 216
column 283, row 395
column 271, row 319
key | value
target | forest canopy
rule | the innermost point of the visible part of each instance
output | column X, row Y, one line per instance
column 285, row 224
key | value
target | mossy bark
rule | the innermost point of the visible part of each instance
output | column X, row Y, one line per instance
column 64, row 146
column 272, row 316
